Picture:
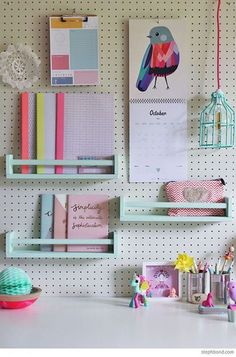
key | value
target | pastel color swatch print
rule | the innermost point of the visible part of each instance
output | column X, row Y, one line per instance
column 74, row 53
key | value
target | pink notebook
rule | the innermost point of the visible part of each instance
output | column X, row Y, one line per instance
column 87, row 218
column 28, row 130
column 85, row 127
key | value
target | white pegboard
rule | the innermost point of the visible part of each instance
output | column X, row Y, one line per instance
column 26, row 21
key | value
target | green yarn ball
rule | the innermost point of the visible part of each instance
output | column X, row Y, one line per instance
column 14, row 281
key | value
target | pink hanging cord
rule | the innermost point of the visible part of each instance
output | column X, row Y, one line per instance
column 218, row 44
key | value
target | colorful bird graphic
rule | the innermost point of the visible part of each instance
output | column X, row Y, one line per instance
column 160, row 59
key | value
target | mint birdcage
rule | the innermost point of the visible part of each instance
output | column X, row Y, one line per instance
column 217, row 123
column 217, row 120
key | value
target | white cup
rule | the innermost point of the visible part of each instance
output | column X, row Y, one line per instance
column 232, row 315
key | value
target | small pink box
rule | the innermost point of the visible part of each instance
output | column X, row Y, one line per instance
column 162, row 277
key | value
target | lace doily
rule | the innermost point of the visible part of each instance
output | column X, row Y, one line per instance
column 19, row 66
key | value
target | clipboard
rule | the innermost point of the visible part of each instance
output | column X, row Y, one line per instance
column 74, row 50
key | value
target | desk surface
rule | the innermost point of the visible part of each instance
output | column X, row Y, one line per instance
column 108, row 322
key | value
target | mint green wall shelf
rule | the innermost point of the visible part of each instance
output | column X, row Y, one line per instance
column 130, row 211
column 30, row 248
column 11, row 163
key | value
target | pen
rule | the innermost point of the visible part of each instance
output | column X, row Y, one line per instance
column 206, row 267
column 230, row 267
column 200, row 267
column 228, row 256
column 217, row 266
column 210, row 270
column 207, row 281
column 195, row 266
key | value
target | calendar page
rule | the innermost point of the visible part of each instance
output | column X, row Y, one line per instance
column 158, row 147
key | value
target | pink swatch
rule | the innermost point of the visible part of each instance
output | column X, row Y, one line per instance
column 86, row 77
column 60, row 62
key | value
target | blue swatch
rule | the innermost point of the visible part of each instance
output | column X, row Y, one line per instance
column 83, row 49
column 62, row 80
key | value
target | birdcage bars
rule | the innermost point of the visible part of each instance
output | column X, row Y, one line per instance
column 217, row 123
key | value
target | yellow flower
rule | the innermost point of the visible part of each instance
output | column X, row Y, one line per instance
column 144, row 286
column 184, row 263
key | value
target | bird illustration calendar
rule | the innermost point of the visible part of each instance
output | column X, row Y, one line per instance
column 158, row 54
column 158, row 100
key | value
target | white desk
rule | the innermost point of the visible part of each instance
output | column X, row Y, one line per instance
column 109, row 322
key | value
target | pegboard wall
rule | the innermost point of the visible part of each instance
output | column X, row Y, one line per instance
column 26, row 21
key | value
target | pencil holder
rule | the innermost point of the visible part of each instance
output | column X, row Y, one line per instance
column 218, row 287
column 195, row 284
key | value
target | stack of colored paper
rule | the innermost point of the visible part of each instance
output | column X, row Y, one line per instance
column 67, row 126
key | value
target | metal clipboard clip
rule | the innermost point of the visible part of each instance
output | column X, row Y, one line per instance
column 79, row 17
